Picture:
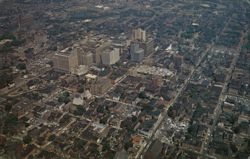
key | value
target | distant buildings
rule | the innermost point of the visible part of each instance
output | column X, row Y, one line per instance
column 95, row 52
column 140, row 46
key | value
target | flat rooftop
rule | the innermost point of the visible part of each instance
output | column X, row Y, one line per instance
column 154, row 71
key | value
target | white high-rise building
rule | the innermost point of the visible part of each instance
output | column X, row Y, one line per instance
column 87, row 59
column 111, row 57
column 139, row 34
column 65, row 60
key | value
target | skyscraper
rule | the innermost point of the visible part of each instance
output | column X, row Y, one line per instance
column 140, row 45
column 137, row 53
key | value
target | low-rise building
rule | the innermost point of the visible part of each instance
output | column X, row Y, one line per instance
column 100, row 86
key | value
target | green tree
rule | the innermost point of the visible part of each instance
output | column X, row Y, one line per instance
column 64, row 97
column 134, row 119
column 80, row 89
column 27, row 139
column 52, row 137
column 6, row 48
column 106, row 146
column 80, row 144
column 26, row 124
column 5, row 79
column 170, row 112
column 8, row 107
column 236, row 129
column 21, row 66
column 79, row 110
column 128, row 144
column 142, row 95
column 11, row 120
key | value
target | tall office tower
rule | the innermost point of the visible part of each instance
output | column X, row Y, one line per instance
column 66, row 60
column 139, row 40
column 134, row 46
column 148, row 46
column 137, row 53
column 139, row 34
column 111, row 57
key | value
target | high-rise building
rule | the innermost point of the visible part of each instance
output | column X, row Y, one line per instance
column 110, row 57
column 66, row 60
column 140, row 45
column 87, row 59
column 84, row 57
column 137, row 53
column 99, row 48
column 134, row 46
column 70, row 58
column 139, row 34
column 147, row 46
